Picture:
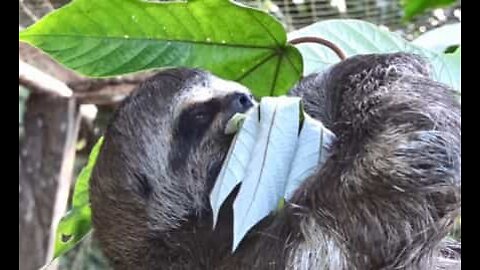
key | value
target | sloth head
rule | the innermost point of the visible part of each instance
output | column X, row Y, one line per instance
column 162, row 152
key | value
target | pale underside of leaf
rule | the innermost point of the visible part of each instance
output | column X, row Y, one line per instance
column 263, row 185
column 359, row 37
column 440, row 38
column 311, row 153
column 235, row 165
column 270, row 159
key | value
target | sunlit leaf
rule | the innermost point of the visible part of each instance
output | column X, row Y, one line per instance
column 113, row 37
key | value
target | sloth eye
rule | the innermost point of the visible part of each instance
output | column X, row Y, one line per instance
column 200, row 115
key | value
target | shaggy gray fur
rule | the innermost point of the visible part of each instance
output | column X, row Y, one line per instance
column 385, row 198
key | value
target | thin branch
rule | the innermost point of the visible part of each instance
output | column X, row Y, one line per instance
column 28, row 11
column 106, row 91
column 66, row 173
column 39, row 8
column 322, row 41
column 109, row 94
column 49, row 4
column 90, row 85
column 86, row 91
column 36, row 80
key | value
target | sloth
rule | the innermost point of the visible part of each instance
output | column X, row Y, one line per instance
column 385, row 198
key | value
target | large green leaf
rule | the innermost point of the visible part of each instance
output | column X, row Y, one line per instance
column 111, row 37
column 77, row 222
column 360, row 37
column 412, row 8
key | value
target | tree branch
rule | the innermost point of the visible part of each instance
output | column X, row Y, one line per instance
column 38, row 59
column 106, row 95
column 85, row 90
column 36, row 80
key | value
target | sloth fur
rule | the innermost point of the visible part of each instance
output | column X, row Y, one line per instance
column 385, row 199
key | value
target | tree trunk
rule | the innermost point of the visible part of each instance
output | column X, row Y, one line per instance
column 46, row 155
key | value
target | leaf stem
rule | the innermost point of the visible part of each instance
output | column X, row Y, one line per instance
column 322, row 41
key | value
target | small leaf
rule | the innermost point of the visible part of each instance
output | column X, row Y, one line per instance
column 77, row 222
column 411, row 8
column 234, row 124
column 114, row 37
column 359, row 37
column 264, row 183
column 451, row 49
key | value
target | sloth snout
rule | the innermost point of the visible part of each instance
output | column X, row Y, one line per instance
column 239, row 102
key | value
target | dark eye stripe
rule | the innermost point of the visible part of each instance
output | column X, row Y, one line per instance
column 190, row 129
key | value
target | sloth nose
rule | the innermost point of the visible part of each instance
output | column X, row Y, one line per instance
column 240, row 102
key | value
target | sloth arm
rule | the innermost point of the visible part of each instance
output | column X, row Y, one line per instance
column 391, row 187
